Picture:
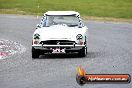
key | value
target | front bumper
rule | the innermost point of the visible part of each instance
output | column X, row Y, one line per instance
column 49, row 47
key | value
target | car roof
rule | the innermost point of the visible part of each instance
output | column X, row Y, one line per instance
column 62, row 13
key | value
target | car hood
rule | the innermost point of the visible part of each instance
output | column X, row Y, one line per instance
column 60, row 33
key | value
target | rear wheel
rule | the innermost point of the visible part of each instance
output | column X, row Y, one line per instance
column 35, row 53
column 82, row 52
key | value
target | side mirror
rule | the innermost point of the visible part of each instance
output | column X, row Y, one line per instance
column 38, row 26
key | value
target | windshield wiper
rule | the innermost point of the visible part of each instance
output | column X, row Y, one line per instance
column 73, row 25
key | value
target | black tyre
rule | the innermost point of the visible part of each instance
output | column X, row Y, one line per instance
column 82, row 52
column 35, row 53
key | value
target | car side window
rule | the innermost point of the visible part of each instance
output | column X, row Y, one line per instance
column 43, row 21
column 81, row 23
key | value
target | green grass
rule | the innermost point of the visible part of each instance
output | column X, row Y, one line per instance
column 98, row 8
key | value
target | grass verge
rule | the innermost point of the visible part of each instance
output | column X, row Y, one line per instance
column 103, row 9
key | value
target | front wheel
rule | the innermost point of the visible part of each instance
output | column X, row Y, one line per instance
column 82, row 52
column 35, row 53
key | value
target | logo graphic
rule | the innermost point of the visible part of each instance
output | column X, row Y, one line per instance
column 58, row 43
column 83, row 78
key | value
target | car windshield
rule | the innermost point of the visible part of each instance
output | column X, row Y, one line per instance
column 69, row 20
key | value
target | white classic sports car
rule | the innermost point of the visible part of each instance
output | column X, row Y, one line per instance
column 60, row 32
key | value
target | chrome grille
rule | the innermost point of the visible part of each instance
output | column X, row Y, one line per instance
column 57, row 42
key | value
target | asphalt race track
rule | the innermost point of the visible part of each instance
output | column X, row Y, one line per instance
column 109, row 51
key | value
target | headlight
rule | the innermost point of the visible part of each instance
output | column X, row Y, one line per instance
column 36, row 36
column 80, row 40
column 79, row 37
